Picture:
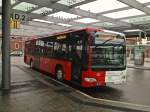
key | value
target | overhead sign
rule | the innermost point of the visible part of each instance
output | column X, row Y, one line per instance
column 14, row 24
column 22, row 17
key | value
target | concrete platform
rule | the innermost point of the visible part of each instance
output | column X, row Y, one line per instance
column 33, row 91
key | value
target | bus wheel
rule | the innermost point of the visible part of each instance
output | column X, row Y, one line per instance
column 59, row 74
column 31, row 64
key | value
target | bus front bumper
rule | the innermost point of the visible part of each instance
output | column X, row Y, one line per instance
column 93, row 81
column 115, row 77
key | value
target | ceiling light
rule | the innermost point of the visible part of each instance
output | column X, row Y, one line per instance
column 62, row 24
column 87, row 20
column 133, row 30
column 64, row 15
column 43, row 21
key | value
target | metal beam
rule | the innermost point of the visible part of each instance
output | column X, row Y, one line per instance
column 33, row 9
column 115, row 10
column 137, row 5
column 65, row 8
column 81, row 3
column 40, row 24
column 18, row 2
column 6, row 81
column 133, row 17
column 121, row 29
column 121, row 9
column 35, row 25
column 43, row 25
column 53, row 19
column 98, row 17
column 49, row 4
column 28, row 32
column 54, row 5
column 61, row 7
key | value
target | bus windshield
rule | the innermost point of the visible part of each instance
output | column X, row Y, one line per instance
column 108, row 51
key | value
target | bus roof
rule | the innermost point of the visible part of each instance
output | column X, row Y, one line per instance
column 86, row 29
column 114, row 32
column 74, row 30
column 89, row 29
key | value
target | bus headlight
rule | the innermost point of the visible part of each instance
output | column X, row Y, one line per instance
column 123, row 77
column 90, row 79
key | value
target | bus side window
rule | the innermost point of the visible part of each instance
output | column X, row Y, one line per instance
column 79, row 48
column 84, row 56
column 57, row 49
column 50, row 48
column 76, row 49
column 32, row 48
column 64, row 50
column 70, row 52
column 38, row 48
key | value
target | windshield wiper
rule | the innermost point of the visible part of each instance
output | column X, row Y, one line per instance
column 107, row 41
column 103, row 43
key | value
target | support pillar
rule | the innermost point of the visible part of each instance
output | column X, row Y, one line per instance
column 6, row 44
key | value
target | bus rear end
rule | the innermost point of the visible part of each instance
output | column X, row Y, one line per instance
column 106, row 60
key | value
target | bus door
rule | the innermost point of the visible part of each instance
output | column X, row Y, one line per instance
column 37, row 57
column 76, row 54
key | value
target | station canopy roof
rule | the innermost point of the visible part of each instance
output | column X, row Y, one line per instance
column 50, row 16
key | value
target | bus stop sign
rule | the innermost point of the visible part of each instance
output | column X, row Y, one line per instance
column 22, row 17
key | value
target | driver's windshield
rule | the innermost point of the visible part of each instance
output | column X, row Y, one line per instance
column 105, row 38
column 108, row 51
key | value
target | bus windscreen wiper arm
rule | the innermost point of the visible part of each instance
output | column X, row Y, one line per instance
column 106, row 41
column 102, row 43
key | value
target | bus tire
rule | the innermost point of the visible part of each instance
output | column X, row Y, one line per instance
column 59, row 74
column 31, row 64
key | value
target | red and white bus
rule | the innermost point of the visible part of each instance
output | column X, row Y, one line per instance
column 88, row 57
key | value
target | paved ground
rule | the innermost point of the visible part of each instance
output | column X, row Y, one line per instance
column 136, row 90
column 31, row 93
column 146, row 65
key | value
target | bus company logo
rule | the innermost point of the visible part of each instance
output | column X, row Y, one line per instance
column 98, row 74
